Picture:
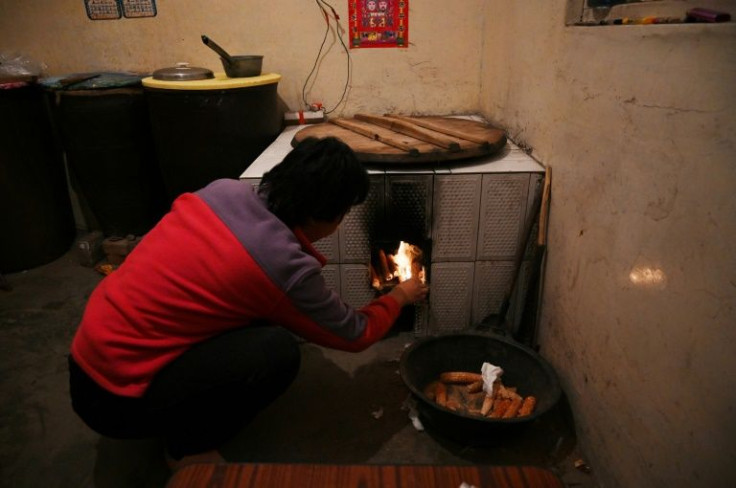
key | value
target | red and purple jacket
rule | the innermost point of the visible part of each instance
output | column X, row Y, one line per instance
column 218, row 261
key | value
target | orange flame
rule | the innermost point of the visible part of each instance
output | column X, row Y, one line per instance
column 407, row 260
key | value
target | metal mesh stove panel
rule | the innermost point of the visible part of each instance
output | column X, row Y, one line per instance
column 421, row 318
column 356, row 230
column 355, row 287
column 455, row 217
column 408, row 206
column 451, row 293
column 329, row 248
column 503, row 209
column 492, row 280
column 331, row 274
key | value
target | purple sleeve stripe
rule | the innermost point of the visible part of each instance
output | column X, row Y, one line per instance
column 279, row 254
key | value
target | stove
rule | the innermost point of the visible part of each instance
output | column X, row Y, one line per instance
column 468, row 217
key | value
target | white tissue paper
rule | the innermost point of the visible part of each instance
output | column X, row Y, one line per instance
column 490, row 374
column 411, row 405
column 414, row 417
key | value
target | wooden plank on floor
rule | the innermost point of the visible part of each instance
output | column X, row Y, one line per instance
column 250, row 475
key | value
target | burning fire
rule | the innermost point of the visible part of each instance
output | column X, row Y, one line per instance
column 397, row 267
column 405, row 258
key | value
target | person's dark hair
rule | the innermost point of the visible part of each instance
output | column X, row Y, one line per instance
column 319, row 178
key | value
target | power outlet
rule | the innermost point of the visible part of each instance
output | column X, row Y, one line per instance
column 304, row 117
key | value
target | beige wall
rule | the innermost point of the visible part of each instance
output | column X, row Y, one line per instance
column 439, row 73
column 639, row 125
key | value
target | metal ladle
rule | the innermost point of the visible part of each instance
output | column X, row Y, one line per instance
column 236, row 66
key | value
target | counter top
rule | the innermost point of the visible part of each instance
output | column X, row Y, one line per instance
column 511, row 159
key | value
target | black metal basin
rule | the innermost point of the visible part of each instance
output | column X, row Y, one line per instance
column 423, row 361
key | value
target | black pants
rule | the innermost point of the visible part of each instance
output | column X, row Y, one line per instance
column 202, row 398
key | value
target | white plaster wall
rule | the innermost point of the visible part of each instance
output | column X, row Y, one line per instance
column 438, row 73
column 638, row 124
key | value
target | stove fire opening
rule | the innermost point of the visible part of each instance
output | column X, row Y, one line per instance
column 392, row 263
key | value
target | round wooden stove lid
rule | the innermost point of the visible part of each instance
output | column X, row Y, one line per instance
column 396, row 139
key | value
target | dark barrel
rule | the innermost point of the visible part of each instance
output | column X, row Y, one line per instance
column 210, row 129
column 107, row 137
column 37, row 223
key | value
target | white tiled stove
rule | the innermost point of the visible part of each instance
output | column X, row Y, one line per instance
column 473, row 213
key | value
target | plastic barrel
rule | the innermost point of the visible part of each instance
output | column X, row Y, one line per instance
column 210, row 129
column 107, row 137
column 37, row 219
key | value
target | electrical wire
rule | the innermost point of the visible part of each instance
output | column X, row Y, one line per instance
column 319, row 53
column 323, row 6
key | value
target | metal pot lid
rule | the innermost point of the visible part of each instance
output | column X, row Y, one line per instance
column 182, row 72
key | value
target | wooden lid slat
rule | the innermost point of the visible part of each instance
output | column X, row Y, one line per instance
column 372, row 134
column 427, row 124
column 412, row 130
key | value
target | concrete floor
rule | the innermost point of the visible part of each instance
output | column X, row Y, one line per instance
column 343, row 408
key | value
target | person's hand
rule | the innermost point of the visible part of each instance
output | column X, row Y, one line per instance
column 409, row 291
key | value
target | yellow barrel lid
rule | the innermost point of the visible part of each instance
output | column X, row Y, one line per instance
column 219, row 82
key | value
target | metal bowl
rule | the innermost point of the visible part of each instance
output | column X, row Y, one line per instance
column 423, row 361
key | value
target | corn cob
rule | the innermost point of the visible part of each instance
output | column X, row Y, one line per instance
column 487, row 405
column 513, row 408
column 475, row 386
column 499, row 407
column 460, row 377
column 441, row 394
column 528, row 406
